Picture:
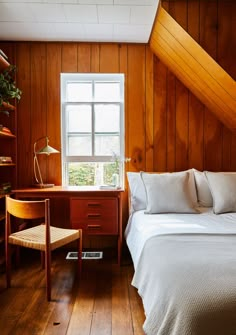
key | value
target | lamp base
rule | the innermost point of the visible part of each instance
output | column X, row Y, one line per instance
column 43, row 185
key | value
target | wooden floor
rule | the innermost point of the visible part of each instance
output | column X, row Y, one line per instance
column 102, row 303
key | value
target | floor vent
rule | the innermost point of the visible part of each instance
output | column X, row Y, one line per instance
column 85, row 255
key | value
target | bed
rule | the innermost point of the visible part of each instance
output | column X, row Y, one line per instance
column 182, row 239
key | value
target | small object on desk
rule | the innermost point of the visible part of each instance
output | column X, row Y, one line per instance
column 43, row 185
column 109, row 187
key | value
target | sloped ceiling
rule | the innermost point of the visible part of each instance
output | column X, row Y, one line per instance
column 194, row 67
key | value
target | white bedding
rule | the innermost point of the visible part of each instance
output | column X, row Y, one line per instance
column 142, row 226
column 185, row 271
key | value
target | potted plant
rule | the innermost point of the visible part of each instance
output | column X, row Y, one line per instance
column 8, row 89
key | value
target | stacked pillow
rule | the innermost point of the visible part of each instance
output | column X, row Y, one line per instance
column 223, row 190
column 163, row 193
column 203, row 191
column 137, row 192
column 182, row 192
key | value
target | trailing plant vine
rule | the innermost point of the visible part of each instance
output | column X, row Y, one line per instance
column 8, row 89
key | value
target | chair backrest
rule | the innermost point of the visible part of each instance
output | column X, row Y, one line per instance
column 27, row 209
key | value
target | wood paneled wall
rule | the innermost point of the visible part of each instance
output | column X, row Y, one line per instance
column 193, row 136
column 166, row 127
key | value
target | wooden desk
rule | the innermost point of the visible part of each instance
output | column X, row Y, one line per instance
column 97, row 211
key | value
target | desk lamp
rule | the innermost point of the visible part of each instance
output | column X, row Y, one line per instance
column 47, row 150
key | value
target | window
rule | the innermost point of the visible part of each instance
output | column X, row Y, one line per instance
column 92, row 121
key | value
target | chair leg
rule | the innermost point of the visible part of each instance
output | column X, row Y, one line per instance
column 48, row 274
column 8, row 264
column 80, row 245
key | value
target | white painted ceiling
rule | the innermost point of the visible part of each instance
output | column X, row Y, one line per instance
column 77, row 20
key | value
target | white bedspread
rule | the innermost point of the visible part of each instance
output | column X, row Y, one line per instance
column 143, row 226
column 185, row 272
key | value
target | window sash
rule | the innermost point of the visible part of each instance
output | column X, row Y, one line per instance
column 87, row 78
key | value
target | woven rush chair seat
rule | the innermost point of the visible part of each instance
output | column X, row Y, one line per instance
column 35, row 237
column 42, row 237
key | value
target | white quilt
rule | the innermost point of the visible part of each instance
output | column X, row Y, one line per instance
column 185, row 272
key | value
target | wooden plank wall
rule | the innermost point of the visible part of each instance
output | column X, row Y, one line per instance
column 193, row 136
column 166, row 127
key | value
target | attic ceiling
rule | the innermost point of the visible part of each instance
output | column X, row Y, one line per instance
column 77, row 20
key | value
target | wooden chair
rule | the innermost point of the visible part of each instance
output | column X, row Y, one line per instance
column 41, row 237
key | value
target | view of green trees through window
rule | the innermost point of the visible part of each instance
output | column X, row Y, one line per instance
column 82, row 174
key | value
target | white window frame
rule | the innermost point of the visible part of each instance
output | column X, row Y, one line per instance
column 83, row 77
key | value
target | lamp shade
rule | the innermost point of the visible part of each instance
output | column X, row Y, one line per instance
column 47, row 150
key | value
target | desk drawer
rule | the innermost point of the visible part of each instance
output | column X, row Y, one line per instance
column 97, row 227
column 95, row 215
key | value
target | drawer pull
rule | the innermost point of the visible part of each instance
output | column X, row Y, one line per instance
column 94, row 226
column 94, row 215
column 94, row 204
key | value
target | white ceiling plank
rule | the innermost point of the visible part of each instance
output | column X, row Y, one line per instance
column 135, row 2
column 113, row 14
column 16, row 12
column 142, row 14
column 132, row 33
column 96, row 2
column 82, row 13
column 96, row 30
column 48, row 12
column 77, row 20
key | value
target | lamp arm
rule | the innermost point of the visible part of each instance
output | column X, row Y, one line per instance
column 39, row 139
column 36, row 165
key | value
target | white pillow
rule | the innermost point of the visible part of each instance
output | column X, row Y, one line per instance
column 137, row 192
column 203, row 190
column 170, row 192
column 223, row 190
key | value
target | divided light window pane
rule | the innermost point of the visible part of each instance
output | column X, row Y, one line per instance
column 81, row 91
column 79, row 118
column 107, row 118
column 79, row 145
column 106, row 145
column 106, row 91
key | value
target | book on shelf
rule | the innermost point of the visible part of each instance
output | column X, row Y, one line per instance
column 5, row 160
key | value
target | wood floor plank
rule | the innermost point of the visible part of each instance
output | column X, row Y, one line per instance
column 101, row 303
column 121, row 313
column 15, row 300
column 102, row 313
column 63, row 298
column 81, row 319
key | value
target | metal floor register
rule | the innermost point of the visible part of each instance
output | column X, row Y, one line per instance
column 85, row 255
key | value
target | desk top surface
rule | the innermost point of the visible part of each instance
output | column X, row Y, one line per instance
column 69, row 189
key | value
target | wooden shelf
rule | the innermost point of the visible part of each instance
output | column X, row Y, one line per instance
column 8, row 164
column 9, row 148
